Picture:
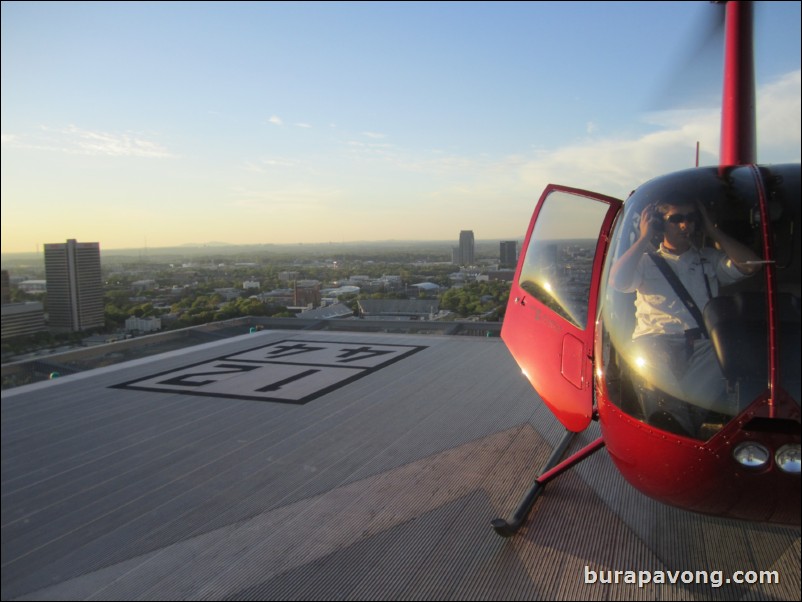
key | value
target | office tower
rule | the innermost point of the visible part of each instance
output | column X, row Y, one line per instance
column 465, row 254
column 508, row 253
column 74, row 286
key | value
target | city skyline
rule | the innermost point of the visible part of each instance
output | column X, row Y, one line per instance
column 166, row 124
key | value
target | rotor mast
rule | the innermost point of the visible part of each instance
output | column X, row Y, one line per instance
column 738, row 145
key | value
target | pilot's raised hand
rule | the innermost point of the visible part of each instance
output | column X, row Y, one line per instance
column 650, row 221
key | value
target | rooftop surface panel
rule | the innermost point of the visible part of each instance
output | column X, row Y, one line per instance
column 333, row 465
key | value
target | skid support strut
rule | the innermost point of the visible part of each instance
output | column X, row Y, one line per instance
column 551, row 469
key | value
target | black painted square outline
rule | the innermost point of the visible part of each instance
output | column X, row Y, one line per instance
column 361, row 371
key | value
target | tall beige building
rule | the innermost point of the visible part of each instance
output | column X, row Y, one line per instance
column 74, row 286
column 464, row 254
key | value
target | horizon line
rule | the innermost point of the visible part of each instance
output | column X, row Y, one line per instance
column 221, row 245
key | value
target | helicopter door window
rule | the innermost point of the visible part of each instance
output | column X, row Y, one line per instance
column 558, row 268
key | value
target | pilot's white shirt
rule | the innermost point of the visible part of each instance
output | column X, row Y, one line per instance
column 658, row 309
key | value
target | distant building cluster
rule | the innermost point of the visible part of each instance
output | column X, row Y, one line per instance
column 464, row 254
column 22, row 319
column 74, row 291
column 74, row 288
column 19, row 319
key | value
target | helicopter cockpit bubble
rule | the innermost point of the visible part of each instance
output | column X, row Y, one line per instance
column 685, row 340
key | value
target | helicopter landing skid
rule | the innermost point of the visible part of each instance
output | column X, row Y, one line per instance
column 551, row 469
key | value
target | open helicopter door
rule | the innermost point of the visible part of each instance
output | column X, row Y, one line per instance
column 550, row 320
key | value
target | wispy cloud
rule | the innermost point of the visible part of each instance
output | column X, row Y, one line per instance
column 276, row 120
column 615, row 166
column 606, row 164
column 360, row 150
column 269, row 164
column 78, row 141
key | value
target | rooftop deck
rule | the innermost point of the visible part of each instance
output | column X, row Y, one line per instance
column 309, row 465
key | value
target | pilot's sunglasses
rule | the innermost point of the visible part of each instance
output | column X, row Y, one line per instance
column 678, row 218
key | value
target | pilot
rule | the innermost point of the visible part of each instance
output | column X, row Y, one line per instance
column 673, row 283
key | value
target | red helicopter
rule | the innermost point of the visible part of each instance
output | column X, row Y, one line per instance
column 730, row 450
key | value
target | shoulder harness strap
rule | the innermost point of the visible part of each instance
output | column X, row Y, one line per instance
column 681, row 291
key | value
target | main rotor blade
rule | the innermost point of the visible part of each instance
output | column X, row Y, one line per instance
column 695, row 78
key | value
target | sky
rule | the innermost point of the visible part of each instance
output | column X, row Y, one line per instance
column 154, row 124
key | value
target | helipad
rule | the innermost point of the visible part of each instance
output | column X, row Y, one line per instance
column 337, row 465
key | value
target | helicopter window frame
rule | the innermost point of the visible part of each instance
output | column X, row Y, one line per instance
column 557, row 269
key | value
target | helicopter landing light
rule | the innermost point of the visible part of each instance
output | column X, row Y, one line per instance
column 788, row 458
column 751, row 454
